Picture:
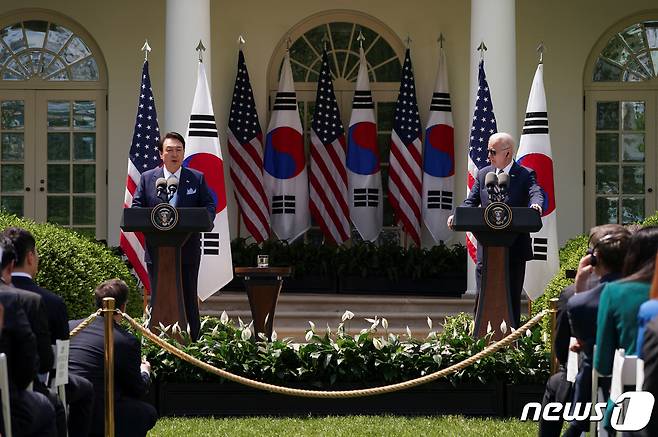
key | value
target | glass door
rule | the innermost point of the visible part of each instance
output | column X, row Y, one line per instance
column 620, row 156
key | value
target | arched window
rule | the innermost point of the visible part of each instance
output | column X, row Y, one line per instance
column 38, row 48
column 621, row 136
column 53, row 123
column 384, row 53
column 630, row 55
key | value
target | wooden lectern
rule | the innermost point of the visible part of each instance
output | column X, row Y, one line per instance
column 263, row 286
column 166, row 229
column 496, row 227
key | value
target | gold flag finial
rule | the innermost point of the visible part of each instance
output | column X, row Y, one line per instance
column 441, row 39
column 360, row 39
column 482, row 48
column 540, row 50
column 200, row 48
column 241, row 40
column 146, row 48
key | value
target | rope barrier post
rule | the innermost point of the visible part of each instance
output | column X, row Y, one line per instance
column 554, row 364
column 108, row 313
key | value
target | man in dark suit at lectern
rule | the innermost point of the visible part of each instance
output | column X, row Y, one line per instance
column 522, row 191
column 192, row 192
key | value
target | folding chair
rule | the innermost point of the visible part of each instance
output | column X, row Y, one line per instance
column 4, row 395
column 639, row 380
column 61, row 366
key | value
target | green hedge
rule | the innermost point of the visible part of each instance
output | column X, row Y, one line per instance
column 570, row 256
column 71, row 266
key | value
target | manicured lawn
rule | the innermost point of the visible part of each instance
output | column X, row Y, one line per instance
column 344, row 426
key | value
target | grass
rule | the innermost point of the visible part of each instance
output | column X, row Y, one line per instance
column 349, row 426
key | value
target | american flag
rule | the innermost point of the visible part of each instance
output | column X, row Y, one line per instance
column 483, row 126
column 143, row 156
column 245, row 146
column 328, row 182
column 405, row 171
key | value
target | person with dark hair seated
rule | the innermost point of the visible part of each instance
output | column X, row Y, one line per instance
column 79, row 391
column 133, row 417
column 604, row 260
column 32, row 414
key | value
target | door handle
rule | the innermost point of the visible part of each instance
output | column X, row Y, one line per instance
column 41, row 189
column 650, row 190
column 27, row 188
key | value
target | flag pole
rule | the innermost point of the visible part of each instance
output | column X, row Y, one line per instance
column 241, row 43
column 146, row 48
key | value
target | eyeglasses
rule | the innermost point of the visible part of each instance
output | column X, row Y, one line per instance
column 492, row 152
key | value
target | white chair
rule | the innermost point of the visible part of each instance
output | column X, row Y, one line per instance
column 624, row 373
column 4, row 395
column 639, row 380
column 573, row 362
column 595, row 428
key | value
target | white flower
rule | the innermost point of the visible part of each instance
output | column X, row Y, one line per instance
column 408, row 332
column 429, row 322
column 309, row 335
column 488, row 327
column 274, row 336
column 246, row 334
column 347, row 315
column 223, row 318
column 377, row 343
column 528, row 333
column 312, row 325
column 503, row 327
column 384, row 323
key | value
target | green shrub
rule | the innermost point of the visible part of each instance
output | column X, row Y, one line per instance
column 71, row 266
column 370, row 358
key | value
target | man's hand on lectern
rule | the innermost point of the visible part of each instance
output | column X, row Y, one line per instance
column 536, row 207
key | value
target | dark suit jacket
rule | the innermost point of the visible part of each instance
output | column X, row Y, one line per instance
column 650, row 353
column 36, row 313
column 17, row 341
column 86, row 359
column 58, row 319
column 523, row 191
column 192, row 191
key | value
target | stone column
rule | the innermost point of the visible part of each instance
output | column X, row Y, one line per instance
column 187, row 22
column 494, row 22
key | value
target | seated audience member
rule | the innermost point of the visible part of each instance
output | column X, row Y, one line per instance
column 134, row 417
column 604, row 260
column 32, row 414
column 621, row 300
column 37, row 316
column 648, row 310
column 79, row 391
column 650, row 354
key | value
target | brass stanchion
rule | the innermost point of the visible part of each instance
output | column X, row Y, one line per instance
column 553, row 311
column 108, row 313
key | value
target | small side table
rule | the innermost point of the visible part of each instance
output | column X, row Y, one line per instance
column 263, row 285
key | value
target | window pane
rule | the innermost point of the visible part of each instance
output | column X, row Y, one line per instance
column 12, row 204
column 340, row 34
column 633, row 147
column 59, row 113
column 36, row 33
column 84, row 178
column 59, row 146
column 607, row 179
column 632, row 210
column 633, row 37
column 13, row 146
column 607, row 210
column 12, row 114
column 84, row 210
column 4, row 54
column 389, row 72
column 300, row 51
column 85, row 70
column 607, row 115
column 11, row 178
column 633, row 115
column 341, row 57
column 84, row 146
column 58, row 209
column 380, row 52
column 86, row 232
column 84, row 114
column 616, row 51
column 75, row 50
column 316, row 35
column 651, row 31
column 13, row 36
column 607, row 147
column 632, row 179
column 605, row 71
column 53, row 67
column 58, row 178
column 57, row 36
